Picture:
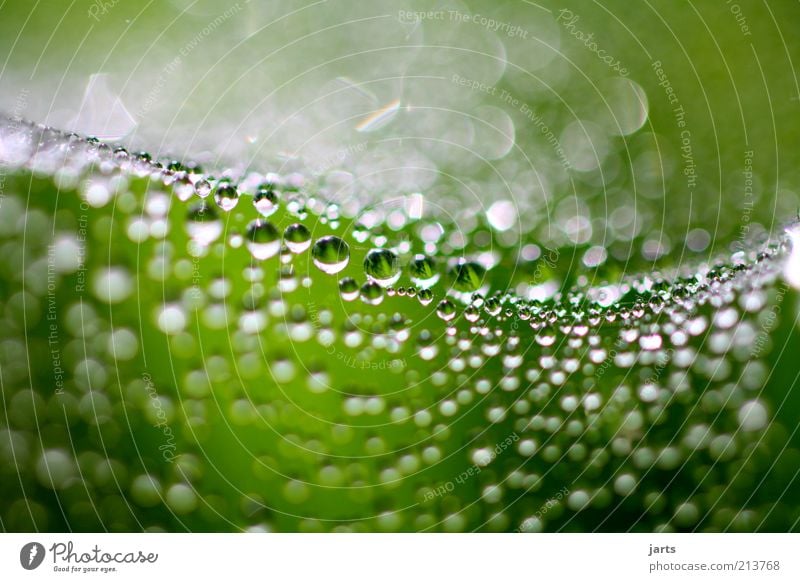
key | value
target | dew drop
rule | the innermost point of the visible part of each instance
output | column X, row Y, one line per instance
column 226, row 196
column 171, row 319
column 297, row 237
column 331, row 254
column 371, row 293
column 467, row 276
column 381, row 266
column 203, row 188
column 446, row 310
column 425, row 296
column 263, row 239
column 266, row 201
column 422, row 271
column 184, row 189
column 348, row 288
column 203, row 224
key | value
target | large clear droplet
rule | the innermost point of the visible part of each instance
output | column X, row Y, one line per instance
column 297, row 237
column 422, row 270
column 226, row 196
column 266, row 200
column 381, row 266
column 446, row 310
column 263, row 239
column 467, row 276
column 330, row 254
column 371, row 293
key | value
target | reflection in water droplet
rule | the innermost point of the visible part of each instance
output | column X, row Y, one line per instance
column 226, row 196
column 203, row 224
column 425, row 296
column 203, row 188
column 331, row 254
column 381, row 266
column 467, row 276
column 371, row 293
column 266, row 201
column 263, row 239
column 422, row 270
column 348, row 287
column 297, row 237
column 446, row 310
column 184, row 189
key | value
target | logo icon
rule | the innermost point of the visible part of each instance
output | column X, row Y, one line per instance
column 31, row 555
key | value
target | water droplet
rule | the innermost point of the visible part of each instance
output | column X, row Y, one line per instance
column 184, row 189
column 472, row 313
column 113, row 285
column 297, row 237
column 381, row 266
column 422, row 270
column 467, row 276
column 266, row 200
column 226, row 196
column 171, row 319
column 650, row 342
column 753, row 416
column 203, row 188
column 331, row 254
column 263, row 239
column 348, row 287
column 371, row 293
column 203, row 224
column 425, row 296
column 446, row 310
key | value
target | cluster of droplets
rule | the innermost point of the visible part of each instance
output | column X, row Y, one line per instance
column 552, row 412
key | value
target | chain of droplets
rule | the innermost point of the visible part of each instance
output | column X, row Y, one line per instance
column 67, row 156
